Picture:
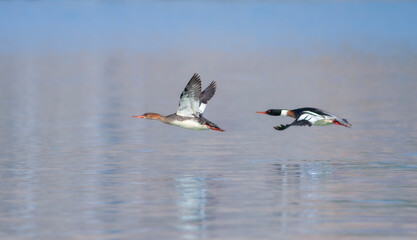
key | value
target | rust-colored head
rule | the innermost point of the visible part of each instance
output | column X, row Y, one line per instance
column 154, row 116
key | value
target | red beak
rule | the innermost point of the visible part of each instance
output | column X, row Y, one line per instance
column 138, row 116
column 261, row 112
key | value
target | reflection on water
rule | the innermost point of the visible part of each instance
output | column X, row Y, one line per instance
column 191, row 206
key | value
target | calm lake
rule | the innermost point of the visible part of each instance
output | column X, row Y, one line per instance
column 74, row 164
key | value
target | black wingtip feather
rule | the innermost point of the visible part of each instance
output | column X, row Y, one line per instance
column 194, row 85
column 208, row 93
column 282, row 127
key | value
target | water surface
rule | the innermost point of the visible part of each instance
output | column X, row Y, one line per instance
column 75, row 165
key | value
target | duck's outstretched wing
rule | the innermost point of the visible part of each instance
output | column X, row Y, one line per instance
column 190, row 97
column 295, row 123
column 282, row 127
column 206, row 95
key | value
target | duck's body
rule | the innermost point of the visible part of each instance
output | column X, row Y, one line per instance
column 307, row 116
column 191, row 107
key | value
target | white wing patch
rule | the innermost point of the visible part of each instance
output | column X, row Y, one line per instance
column 187, row 107
column 202, row 108
column 311, row 117
column 190, row 97
column 316, row 119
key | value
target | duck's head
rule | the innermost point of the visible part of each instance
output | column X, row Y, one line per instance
column 342, row 122
column 272, row 112
column 154, row 116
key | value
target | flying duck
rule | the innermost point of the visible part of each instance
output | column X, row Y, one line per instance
column 191, row 107
column 307, row 117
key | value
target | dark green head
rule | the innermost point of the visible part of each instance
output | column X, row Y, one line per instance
column 272, row 112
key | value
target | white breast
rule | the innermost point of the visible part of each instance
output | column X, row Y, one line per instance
column 190, row 124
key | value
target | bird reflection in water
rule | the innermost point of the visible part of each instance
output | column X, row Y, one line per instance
column 191, row 206
column 298, row 192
